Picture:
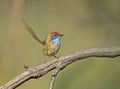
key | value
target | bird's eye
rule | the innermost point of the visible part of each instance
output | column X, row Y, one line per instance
column 55, row 35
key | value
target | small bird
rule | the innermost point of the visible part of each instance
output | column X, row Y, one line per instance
column 51, row 44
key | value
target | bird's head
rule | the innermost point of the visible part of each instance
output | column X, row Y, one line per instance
column 54, row 37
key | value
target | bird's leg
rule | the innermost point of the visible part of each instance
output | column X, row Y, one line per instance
column 55, row 57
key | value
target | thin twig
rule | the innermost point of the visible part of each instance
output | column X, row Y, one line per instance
column 53, row 78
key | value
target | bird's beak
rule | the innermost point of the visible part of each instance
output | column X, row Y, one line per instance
column 61, row 35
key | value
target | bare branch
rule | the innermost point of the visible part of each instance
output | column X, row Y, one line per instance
column 60, row 63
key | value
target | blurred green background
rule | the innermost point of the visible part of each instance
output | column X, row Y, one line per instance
column 84, row 23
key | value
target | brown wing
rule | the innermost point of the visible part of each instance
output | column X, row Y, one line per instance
column 30, row 30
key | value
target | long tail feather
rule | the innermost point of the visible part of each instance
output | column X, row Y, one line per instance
column 30, row 30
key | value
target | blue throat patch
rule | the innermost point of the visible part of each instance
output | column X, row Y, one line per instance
column 56, row 41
